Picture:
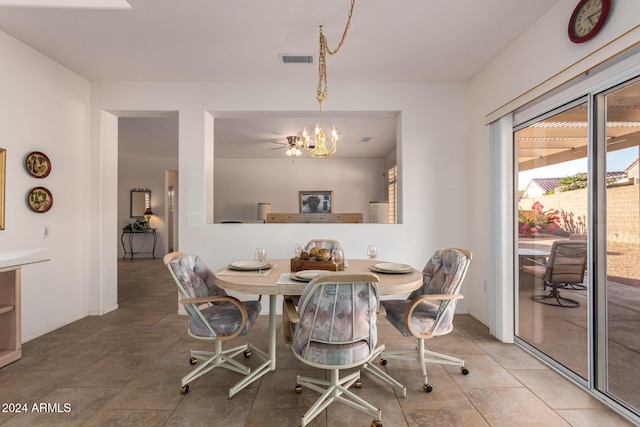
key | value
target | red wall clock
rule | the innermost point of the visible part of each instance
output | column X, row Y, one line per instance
column 587, row 19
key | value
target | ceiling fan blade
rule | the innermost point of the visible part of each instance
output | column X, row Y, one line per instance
column 277, row 148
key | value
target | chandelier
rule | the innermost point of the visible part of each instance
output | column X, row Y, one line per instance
column 319, row 147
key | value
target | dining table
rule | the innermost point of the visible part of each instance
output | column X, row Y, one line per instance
column 277, row 280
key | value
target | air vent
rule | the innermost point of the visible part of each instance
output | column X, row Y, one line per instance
column 365, row 139
column 296, row 59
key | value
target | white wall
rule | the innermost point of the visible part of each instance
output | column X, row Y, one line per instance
column 239, row 184
column 537, row 56
column 432, row 163
column 45, row 107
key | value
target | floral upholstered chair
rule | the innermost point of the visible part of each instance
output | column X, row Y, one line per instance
column 322, row 243
column 335, row 328
column 213, row 316
column 428, row 311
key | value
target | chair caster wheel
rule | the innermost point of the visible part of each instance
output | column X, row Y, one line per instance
column 247, row 353
column 376, row 423
column 464, row 371
column 193, row 360
column 358, row 383
column 184, row 389
column 298, row 388
column 427, row 388
column 383, row 362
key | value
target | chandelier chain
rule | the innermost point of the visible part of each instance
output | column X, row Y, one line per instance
column 322, row 60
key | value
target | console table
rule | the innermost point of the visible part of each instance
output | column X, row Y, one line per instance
column 315, row 217
column 134, row 232
column 10, row 309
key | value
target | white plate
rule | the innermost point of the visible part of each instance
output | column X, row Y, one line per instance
column 249, row 265
column 307, row 275
column 391, row 267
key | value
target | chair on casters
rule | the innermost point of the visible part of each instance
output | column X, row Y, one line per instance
column 428, row 311
column 335, row 328
column 565, row 267
column 328, row 244
column 213, row 316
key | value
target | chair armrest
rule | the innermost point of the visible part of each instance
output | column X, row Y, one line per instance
column 536, row 262
column 435, row 297
column 289, row 315
column 290, row 310
column 225, row 298
column 419, row 300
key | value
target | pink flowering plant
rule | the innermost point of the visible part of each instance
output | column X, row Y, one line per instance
column 537, row 220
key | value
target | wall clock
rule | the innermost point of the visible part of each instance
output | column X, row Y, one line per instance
column 587, row 19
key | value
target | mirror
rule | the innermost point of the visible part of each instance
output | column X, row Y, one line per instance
column 140, row 201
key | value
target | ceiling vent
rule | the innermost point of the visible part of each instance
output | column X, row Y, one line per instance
column 365, row 139
column 296, row 59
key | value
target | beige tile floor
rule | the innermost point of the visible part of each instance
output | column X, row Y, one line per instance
column 124, row 369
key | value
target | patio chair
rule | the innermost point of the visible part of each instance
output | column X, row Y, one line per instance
column 565, row 267
column 428, row 311
column 334, row 329
column 214, row 316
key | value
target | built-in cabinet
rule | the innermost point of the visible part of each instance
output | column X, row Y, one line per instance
column 10, row 310
column 10, row 339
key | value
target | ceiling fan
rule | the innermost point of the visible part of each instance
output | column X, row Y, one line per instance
column 292, row 145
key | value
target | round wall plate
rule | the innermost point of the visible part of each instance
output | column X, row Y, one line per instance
column 37, row 164
column 40, row 199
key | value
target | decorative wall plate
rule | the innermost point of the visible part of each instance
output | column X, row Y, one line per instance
column 40, row 199
column 37, row 164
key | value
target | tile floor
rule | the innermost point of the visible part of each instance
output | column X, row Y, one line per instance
column 124, row 369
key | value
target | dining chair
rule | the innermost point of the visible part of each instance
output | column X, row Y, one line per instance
column 565, row 267
column 429, row 310
column 214, row 316
column 329, row 244
column 335, row 329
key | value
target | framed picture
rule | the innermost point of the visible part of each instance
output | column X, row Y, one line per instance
column 3, row 154
column 40, row 199
column 316, row 201
column 37, row 164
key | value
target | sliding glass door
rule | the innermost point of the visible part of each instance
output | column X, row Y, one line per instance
column 621, row 294
column 553, row 187
column 577, row 281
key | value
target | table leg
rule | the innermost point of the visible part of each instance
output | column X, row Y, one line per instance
column 269, row 359
column 131, row 244
column 124, row 250
column 272, row 330
column 155, row 239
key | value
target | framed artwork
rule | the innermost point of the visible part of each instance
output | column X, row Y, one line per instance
column 3, row 155
column 316, row 201
column 40, row 200
column 37, row 164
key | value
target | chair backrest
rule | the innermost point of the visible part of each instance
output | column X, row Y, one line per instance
column 567, row 262
column 444, row 274
column 322, row 243
column 193, row 277
column 338, row 313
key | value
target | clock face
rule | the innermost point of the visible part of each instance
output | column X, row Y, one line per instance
column 587, row 19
